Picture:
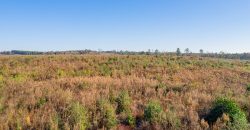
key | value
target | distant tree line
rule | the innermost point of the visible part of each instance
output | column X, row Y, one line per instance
column 187, row 52
column 241, row 56
column 20, row 52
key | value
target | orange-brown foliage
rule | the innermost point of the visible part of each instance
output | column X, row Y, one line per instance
column 36, row 91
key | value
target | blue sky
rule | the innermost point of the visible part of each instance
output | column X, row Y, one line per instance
column 45, row 25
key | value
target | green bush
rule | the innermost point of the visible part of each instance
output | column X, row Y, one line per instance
column 1, row 92
column 105, row 70
column 18, row 124
column 112, row 97
column 238, row 119
column 85, row 72
column 60, row 73
column 130, row 120
column 170, row 120
column 41, row 102
column 107, row 113
column 155, row 115
column 1, row 105
column 55, row 122
column 1, row 80
column 248, row 87
column 18, row 77
column 83, row 85
column 159, row 86
column 123, row 106
column 153, row 112
column 78, row 116
column 124, row 102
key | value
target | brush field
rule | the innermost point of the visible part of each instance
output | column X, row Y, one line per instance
column 109, row 91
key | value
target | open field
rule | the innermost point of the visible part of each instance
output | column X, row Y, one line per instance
column 108, row 91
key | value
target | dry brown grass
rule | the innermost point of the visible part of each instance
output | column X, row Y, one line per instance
column 37, row 91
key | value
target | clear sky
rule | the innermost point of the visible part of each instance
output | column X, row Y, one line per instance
column 45, row 25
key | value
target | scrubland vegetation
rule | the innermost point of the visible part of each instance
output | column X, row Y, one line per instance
column 109, row 91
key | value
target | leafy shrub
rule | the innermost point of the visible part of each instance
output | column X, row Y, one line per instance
column 41, row 102
column 111, row 60
column 107, row 113
column 78, row 116
column 170, row 120
column 1, row 88
column 83, row 85
column 159, row 86
column 124, row 102
column 1, row 81
column 55, row 122
column 112, row 97
column 105, row 70
column 85, row 72
column 17, row 77
column 238, row 119
column 18, row 124
column 61, row 73
column 153, row 112
column 248, row 87
column 130, row 120
column 1, row 104
column 155, row 115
